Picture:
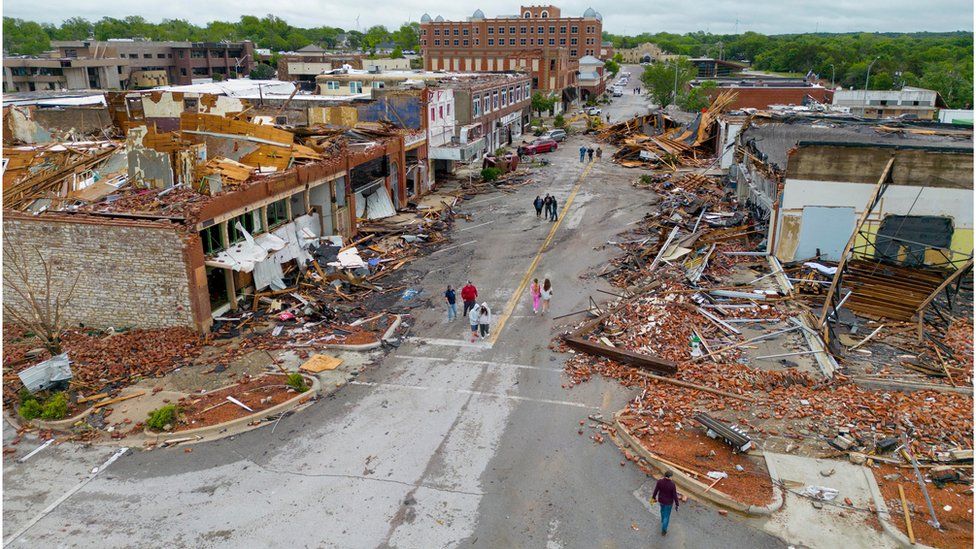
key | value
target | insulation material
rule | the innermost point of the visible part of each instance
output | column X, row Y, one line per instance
column 375, row 205
column 243, row 255
column 349, row 259
column 268, row 273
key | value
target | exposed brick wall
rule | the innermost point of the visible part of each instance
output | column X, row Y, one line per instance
column 132, row 274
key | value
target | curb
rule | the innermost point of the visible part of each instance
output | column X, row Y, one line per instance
column 239, row 425
column 697, row 488
column 368, row 346
column 884, row 517
column 61, row 425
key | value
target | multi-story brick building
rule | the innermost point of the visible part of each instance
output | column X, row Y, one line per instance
column 125, row 63
column 538, row 40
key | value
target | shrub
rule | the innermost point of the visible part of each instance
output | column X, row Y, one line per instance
column 501, row 151
column 559, row 121
column 646, row 180
column 161, row 417
column 490, row 174
column 55, row 408
column 25, row 395
column 30, row 409
column 297, row 382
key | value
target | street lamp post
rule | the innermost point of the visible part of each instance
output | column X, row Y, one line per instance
column 866, row 80
column 868, row 77
column 674, row 96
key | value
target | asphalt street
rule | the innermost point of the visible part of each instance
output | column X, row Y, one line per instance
column 441, row 443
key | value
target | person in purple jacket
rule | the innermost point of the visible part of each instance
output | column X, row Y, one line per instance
column 666, row 494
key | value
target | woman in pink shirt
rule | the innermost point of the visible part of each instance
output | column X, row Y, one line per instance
column 536, row 292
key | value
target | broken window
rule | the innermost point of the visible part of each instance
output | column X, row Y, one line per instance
column 251, row 223
column 277, row 213
column 210, row 238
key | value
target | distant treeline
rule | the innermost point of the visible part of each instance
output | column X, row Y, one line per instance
column 941, row 61
column 27, row 37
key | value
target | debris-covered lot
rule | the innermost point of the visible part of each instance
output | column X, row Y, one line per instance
column 706, row 321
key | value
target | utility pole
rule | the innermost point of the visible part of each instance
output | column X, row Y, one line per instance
column 831, row 76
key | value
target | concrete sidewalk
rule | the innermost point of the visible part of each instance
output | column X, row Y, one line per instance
column 835, row 524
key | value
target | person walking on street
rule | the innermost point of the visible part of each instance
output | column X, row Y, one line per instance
column 552, row 209
column 589, row 151
column 468, row 295
column 582, row 152
column 451, row 298
column 474, row 318
column 538, row 203
column 666, row 494
column 485, row 320
column 599, row 153
column 547, row 203
column 536, row 292
column 546, row 295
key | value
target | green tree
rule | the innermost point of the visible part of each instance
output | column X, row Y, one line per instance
column 663, row 79
column 542, row 102
column 697, row 98
column 262, row 71
column 407, row 37
column 375, row 35
column 612, row 67
column 397, row 53
column 74, row 28
column 24, row 37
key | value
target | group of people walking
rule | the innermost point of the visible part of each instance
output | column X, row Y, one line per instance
column 589, row 151
column 548, row 204
column 479, row 314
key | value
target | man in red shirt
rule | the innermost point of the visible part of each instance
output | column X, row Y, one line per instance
column 666, row 494
column 469, row 295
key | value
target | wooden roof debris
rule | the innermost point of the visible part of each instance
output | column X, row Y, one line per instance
column 655, row 140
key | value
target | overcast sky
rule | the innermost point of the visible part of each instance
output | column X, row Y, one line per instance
column 619, row 16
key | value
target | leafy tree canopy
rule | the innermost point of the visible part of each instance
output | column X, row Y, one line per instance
column 942, row 61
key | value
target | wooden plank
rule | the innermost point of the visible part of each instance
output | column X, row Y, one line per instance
column 908, row 518
column 82, row 400
column 695, row 386
column 945, row 283
column 118, row 399
column 620, row 355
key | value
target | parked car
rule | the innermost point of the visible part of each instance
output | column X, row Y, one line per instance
column 555, row 135
column 593, row 111
column 542, row 145
column 618, row 92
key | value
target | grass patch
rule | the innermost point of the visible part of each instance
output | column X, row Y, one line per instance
column 161, row 417
column 297, row 382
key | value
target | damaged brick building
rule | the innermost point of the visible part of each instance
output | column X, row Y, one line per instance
column 192, row 213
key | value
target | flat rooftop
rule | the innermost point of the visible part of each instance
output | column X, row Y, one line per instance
column 775, row 135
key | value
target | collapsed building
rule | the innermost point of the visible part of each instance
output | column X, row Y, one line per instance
column 810, row 177
column 200, row 204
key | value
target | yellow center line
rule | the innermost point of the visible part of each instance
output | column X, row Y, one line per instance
column 514, row 300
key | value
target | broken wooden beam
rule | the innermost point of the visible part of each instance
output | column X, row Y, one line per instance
column 623, row 356
column 695, row 386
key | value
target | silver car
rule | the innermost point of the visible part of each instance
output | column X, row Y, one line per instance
column 555, row 135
